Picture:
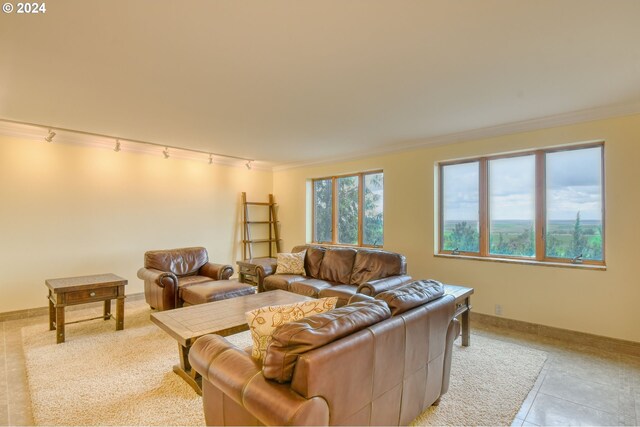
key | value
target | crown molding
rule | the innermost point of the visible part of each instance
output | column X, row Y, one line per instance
column 563, row 119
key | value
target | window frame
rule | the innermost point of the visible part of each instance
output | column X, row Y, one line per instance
column 540, row 206
column 334, row 209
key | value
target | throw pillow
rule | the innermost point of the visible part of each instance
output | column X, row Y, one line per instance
column 292, row 263
column 263, row 321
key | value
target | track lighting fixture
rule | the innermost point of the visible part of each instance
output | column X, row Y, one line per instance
column 105, row 141
column 49, row 138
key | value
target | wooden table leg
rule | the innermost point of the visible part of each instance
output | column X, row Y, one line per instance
column 119, row 314
column 184, row 370
column 464, row 317
column 59, row 324
column 52, row 314
column 107, row 309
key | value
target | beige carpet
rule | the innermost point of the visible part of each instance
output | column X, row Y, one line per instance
column 103, row 377
column 489, row 381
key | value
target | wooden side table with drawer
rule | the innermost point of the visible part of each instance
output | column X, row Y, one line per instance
column 248, row 269
column 82, row 290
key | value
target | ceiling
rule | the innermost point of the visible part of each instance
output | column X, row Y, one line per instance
column 290, row 81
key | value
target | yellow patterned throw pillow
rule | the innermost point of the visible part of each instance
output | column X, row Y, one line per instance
column 263, row 321
column 291, row 263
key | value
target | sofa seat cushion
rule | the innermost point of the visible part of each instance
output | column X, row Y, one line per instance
column 337, row 265
column 215, row 290
column 292, row 339
column 406, row 297
column 309, row 287
column 263, row 321
column 188, row 281
column 281, row 281
column 343, row 292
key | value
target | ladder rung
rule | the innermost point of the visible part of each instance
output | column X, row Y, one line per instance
column 261, row 240
column 261, row 222
column 259, row 203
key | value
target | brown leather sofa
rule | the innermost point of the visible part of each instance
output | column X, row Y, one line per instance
column 340, row 272
column 381, row 361
column 166, row 273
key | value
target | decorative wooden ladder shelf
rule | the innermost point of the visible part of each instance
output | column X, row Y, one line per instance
column 274, row 232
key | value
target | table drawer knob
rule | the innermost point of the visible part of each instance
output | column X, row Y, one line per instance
column 92, row 294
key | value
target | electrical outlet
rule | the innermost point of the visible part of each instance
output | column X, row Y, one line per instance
column 498, row 310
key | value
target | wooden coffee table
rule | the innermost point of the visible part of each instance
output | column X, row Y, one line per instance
column 83, row 290
column 226, row 317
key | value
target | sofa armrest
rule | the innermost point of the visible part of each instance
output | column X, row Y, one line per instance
column 374, row 287
column 264, row 270
column 216, row 271
column 237, row 375
column 160, row 278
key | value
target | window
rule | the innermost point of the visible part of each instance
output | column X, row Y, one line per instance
column 322, row 208
column 512, row 199
column 545, row 205
column 354, row 216
column 460, row 208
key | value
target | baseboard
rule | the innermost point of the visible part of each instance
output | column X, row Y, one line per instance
column 42, row 311
column 597, row 341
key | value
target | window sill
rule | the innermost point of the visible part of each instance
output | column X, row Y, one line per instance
column 526, row 262
column 344, row 245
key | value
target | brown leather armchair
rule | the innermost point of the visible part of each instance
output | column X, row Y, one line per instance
column 167, row 272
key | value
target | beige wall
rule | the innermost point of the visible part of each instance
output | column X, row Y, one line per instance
column 70, row 210
column 597, row 302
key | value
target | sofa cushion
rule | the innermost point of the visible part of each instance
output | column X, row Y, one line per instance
column 292, row 339
column 309, row 287
column 371, row 264
column 263, row 321
column 187, row 281
column 181, row 262
column 215, row 290
column 280, row 281
column 343, row 292
column 292, row 263
column 313, row 259
column 406, row 297
column 337, row 265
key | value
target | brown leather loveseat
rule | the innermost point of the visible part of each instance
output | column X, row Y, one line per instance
column 381, row 361
column 166, row 273
column 341, row 272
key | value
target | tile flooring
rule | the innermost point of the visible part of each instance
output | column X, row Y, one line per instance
column 578, row 385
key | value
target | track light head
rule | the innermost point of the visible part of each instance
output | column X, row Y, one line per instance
column 248, row 164
column 49, row 138
column 117, row 147
column 210, row 159
column 165, row 153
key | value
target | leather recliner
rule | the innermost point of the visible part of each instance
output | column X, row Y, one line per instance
column 377, row 361
column 167, row 272
column 340, row 272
